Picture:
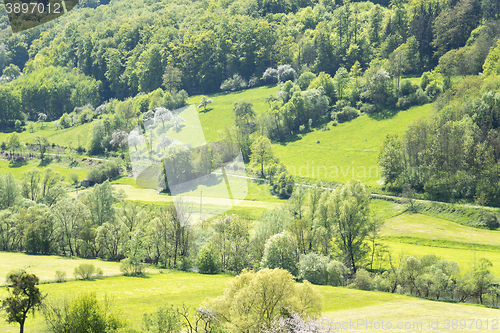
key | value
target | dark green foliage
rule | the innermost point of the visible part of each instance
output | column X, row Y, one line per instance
column 23, row 297
column 491, row 221
column 208, row 261
column 281, row 182
column 103, row 172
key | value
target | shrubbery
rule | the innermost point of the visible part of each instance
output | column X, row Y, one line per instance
column 84, row 313
column 103, row 172
column 318, row 269
column 131, row 267
column 87, row 271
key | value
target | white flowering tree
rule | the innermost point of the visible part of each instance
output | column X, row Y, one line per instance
column 162, row 115
column 204, row 102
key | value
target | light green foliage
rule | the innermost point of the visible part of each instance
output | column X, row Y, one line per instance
column 491, row 65
column 60, row 276
column 231, row 238
column 346, row 211
column 24, row 297
column 313, row 268
column 281, row 252
column 272, row 222
column 363, row 280
column 341, row 80
column 337, row 273
column 100, row 203
column 13, row 142
column 327, row 82
column 164, row 320
column 261, row 152
column 9, row 190
column 83, row 313
column 255, row 299
column 87, row 271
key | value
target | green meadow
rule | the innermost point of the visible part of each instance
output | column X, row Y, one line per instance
column 133, row 296
column 64, row 170
column 348, row 150
column 46, row 266
column 219, row 114
column 68, row 137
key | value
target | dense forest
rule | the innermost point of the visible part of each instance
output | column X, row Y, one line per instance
column 100, row 52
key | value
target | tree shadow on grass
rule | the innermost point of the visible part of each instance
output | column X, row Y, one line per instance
column 289, row 138
column 383, row 115
column 17, row 163
column 46, row 161
column 141, row 276
column 206, row 110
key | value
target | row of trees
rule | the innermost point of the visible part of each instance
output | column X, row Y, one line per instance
column 428, row 276
column 453, row 154
column 335, row 224
column 38, row 217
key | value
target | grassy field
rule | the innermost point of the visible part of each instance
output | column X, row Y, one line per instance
column 384, row 209
column 134, row 296
column 422, row 226
column 64, row 170
column 45, row 266
column 349, row 150
column 464, row 257
column 220, row 113
column 68, row 137
column 342, row 305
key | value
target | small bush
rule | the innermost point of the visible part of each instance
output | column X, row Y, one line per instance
column 363, row 280
column 381, row 284
column 337, row 273
column 129, row 267
column 18, row 126
column 347, row 113
column 367, row 108
column 234, row 84
column 60, row 276
column 254, row 80
column 104, row 172
column 432, row 91
column 406, row 88
column 313, row 268
column 87, row 272
column 165, row 319
column 424, row 80
column 491, row 221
